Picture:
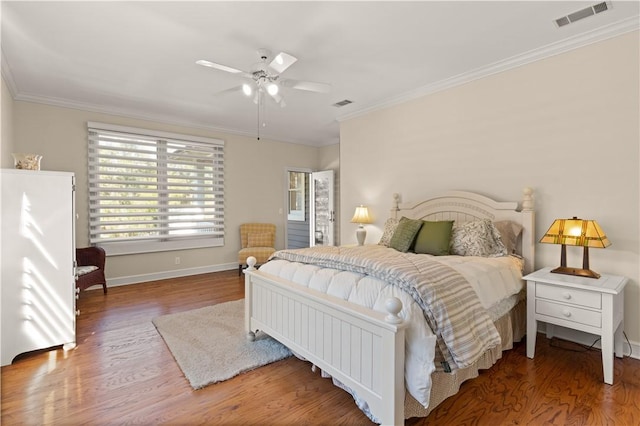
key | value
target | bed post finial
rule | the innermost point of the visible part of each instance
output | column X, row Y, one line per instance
column 396, row 204
column 527, row 199
column 251, row 263
column 393, row 305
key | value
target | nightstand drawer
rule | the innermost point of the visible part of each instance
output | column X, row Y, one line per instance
column 569, row 313
column 589, row 299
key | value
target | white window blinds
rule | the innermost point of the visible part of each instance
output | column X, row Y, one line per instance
column 153, row 191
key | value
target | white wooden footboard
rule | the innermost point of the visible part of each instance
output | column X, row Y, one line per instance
column 362, row 348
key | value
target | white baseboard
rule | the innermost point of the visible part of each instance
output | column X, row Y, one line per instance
column 588, row 339
column 176, row 273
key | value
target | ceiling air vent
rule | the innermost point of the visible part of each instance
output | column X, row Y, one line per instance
column 342, row 103
column 583, row 13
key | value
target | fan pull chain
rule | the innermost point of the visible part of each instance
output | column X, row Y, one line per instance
column 259, row 102
column 261, row 110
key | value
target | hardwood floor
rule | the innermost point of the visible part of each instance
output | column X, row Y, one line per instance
column 121, row 372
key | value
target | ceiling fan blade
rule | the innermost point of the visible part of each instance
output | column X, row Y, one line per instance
column 229, row 90
column 309, row 86
column 281, row 62
column 221, row 67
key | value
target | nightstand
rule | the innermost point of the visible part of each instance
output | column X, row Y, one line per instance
column 591, row 305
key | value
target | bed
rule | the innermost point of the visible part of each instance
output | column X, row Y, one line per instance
column 400, row 353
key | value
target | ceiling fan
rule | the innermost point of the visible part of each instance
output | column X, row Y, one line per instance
column 265, row 77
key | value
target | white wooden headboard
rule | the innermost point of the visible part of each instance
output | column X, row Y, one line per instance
column 464, row 206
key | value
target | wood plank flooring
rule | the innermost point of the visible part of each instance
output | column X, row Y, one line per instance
column 121, row 372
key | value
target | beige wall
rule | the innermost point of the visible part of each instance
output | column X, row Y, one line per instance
column 254, row 183
column 567, row 126
column 329, row 157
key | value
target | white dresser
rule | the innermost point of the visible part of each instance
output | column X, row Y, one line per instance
column 37, row 261
column 591, row 305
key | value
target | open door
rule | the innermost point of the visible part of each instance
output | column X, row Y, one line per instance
column 298, row 209
column 322, row 209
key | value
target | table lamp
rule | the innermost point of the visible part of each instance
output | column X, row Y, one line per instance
column 576, row 232
column 361, row 216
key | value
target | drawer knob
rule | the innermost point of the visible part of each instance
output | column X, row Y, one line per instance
column 566, row 313
column 566, row 295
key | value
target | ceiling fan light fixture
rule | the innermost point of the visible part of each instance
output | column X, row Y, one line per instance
column 272, row 89
column 264, row 79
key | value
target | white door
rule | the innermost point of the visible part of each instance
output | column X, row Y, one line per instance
column 322, row 209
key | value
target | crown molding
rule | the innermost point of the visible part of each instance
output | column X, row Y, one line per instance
column 121, row 112
column 603, row 33
column 7, row 75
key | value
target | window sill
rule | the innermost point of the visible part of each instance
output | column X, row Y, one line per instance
column 124, row 248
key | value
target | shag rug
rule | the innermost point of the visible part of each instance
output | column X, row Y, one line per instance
column 210, row 345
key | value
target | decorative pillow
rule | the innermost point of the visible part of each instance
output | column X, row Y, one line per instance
column 83, row 270
column 477, row 238
column 509, row 233
column 434, row 238
column 259, row 239
column 389, row 228
column 405, row 234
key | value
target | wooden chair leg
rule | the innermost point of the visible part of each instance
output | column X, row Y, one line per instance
column 240, row 270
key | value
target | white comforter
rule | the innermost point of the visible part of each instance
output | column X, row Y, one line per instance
column 497, row 281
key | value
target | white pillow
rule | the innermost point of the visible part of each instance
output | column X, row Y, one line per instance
column 509, row 233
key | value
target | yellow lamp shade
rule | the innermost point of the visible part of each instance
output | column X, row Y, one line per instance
column 361, row 215
column 576, row 232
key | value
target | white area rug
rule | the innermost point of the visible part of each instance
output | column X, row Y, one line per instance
column 210, row 344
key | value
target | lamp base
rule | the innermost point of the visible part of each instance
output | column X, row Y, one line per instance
column 361, row 234
column 588, row 273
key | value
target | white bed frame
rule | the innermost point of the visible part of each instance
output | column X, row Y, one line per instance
column 363, row 348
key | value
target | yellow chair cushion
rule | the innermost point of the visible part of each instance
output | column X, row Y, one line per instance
column 260, row 253
column 259, row 239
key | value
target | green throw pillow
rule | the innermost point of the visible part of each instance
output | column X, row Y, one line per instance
column 434, row 238
column 405, row 234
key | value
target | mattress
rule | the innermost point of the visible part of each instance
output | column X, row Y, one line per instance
column 497, row 283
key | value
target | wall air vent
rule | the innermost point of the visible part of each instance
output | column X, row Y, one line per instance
column 583, row 13
column 342, row 103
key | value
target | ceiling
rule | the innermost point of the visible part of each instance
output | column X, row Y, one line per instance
column 137, row 59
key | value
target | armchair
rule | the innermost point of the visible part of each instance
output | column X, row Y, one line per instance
column 257, row 240
column 90, row 268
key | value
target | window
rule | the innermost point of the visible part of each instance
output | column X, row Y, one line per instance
column 296, row 196
column 154, row 191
